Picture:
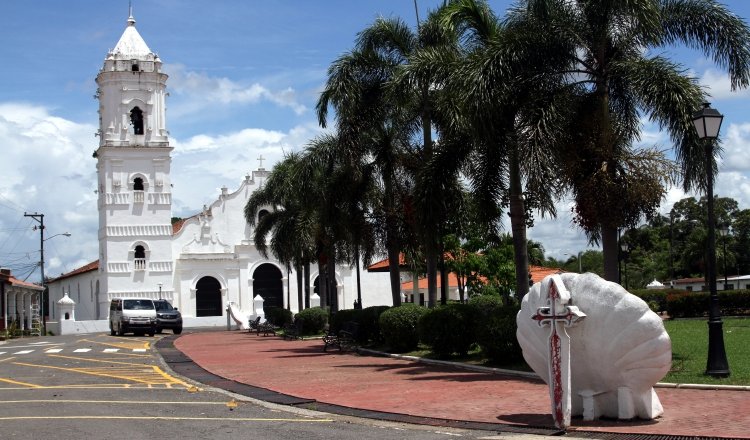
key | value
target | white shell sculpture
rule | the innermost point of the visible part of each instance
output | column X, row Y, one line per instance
column 617, row 353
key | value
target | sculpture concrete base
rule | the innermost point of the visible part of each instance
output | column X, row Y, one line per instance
column 617, row 353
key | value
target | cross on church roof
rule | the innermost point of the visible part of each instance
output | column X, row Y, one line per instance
column 260, row 160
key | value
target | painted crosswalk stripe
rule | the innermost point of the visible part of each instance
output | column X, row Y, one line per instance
column 54, row 350
column 2, row 352
column 139, row 350
column 81, row 350
column 24, row 352
column 111, row 350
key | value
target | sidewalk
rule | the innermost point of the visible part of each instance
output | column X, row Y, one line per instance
column 396, row 389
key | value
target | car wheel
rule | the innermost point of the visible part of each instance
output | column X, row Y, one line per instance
column 151, row 333
column 177, row 330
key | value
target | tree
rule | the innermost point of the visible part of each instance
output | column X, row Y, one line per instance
column 290, row 222
column 607, row 48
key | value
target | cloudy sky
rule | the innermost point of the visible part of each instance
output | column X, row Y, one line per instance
column 244, row 79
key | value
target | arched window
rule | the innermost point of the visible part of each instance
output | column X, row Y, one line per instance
column 262, row 214
column 139, row 261
column 136, row 118
column 138, row 184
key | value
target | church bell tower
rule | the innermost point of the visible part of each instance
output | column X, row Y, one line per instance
column 133, row 168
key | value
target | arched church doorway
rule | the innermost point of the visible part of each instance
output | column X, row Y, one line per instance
column 208, row 297
column 267, row 283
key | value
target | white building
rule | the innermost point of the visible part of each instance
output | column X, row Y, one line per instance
column 200, row 263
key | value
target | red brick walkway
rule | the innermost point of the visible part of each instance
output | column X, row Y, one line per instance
column 301, row 369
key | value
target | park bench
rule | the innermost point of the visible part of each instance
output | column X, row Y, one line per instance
column 293, row 330
column 345, row 339
column 262, row 327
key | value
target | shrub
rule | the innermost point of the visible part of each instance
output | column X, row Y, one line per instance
column 369, row 325
column 278, row 316
column 338, row 319
column 314, row 320
column 448, row 329
column 495, row 329
column 398, row 325
column 687, row 304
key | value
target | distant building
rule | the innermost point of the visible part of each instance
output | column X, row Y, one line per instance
column 699, row 284
column 16, row 300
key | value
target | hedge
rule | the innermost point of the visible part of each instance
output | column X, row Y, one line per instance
column 448, row 329
column 398, row 325
column 278, row 316
column 314, row 320
column 686, row 304
column 495, row 329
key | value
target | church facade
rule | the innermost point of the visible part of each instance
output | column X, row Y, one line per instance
column 200, row 263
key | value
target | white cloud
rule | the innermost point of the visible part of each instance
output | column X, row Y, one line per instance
column 47, row 168
column 719, row 86
column 203, row 164
column 201, row 88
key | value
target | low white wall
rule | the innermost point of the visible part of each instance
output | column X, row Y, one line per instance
column 70, row 327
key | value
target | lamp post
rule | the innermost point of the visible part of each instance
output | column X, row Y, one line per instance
column 724, row 232
column 40, row 218
column 707, row 123
column 578, row 256
column 624, row 248
column 160, row 284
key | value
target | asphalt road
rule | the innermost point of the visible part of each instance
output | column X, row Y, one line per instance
column 106, row 387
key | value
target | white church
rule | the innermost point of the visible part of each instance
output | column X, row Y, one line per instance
column 200, row 264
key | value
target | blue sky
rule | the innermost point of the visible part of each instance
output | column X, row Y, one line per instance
column 244, row 79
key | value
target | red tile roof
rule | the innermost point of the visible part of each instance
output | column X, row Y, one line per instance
column 382, row 265
column 94, row 265
column 537, row 274
column 16, row 282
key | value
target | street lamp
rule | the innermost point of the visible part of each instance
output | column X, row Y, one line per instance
column 578, row 256
column 624, row 248
column 160, row 284
column 724, row 232
column 707, row 123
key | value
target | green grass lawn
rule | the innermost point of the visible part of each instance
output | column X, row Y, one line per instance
column 690, row 351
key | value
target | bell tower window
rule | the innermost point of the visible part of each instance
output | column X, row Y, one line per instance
column 138, row 190
column 136, row 119
column 140, row 258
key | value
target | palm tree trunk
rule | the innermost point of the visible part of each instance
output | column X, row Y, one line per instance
column 610, row 253
column 359, row 285
column 518, row 224
column 306, row 269
column 392, row 239
column 300, row 287
column 322, row 281
column 332, row 284
column 443, row 280
column 431, row 251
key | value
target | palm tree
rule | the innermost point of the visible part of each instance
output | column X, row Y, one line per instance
column 494, row 119
column 604, row 50
column 290, row 223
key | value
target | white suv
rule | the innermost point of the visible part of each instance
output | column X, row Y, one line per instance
column 136, row 315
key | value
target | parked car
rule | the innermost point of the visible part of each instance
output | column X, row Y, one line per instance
column 136, row 315
column 167, row 317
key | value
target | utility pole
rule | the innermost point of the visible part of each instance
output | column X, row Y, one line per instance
column 40, row 218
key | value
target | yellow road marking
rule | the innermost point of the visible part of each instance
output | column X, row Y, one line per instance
column 152, row 375
column 222, row 419
column 15, row 382
column 7, row 359
column 103, row 361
